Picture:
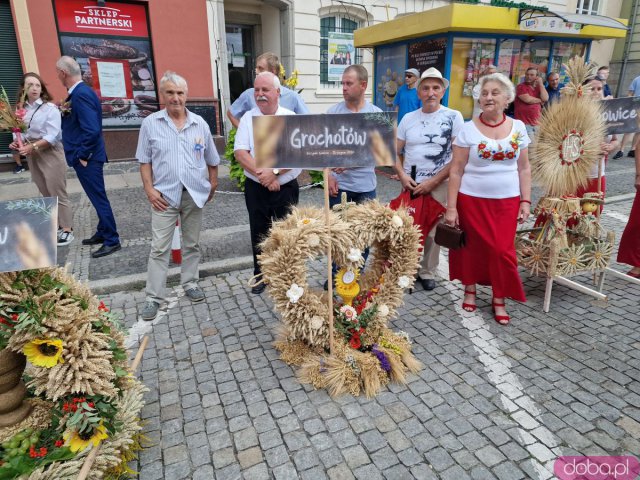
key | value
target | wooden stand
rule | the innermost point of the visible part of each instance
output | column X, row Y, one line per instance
column 327, row 217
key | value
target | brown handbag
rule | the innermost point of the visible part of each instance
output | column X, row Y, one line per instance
column 448, row 236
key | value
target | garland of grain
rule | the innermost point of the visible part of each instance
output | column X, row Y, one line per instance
column 303, row 338
column 88, row 366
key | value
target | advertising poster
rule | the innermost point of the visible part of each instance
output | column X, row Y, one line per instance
column 111, row 43
column 342, row 53
column 481, row 55
column 28, row 234
column 325, row 141
column 427, row 54
column 390, row 66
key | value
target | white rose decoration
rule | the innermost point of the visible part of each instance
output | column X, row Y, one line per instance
column 349, row 313
column 314, row 240
column 294, row 293
column 354, row 254
column 404, row 282
column 383, row 310
column 316, row 322
column 396, row 221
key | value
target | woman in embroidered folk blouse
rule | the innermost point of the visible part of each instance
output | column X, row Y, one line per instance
column 489, row 192
column 43, row 149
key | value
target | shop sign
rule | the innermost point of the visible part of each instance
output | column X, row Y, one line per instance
column 81, row 16
column 342, row 53
column 427, row 54
column 325, row 141
column 112, row 46
column 550, row 25
column 621, row 115
column 28, row 234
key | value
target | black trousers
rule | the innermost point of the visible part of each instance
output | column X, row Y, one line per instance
column 264, row 207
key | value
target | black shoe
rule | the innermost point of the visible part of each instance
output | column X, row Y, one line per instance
column 326, row 285
column 428, row 283
column 105, row 250
column 618, row 155
column 632, row 153
column 258, row 289
column 95, row 240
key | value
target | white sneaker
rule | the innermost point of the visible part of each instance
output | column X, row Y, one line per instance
column 65, row 238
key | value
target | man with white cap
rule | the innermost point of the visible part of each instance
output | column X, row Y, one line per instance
column 407, row 97
column 425, row 137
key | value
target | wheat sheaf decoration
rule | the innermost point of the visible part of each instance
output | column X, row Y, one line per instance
column 367, row 353
column 571, row 131
column 77, row 392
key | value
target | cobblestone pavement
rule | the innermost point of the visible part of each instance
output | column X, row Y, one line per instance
column 492, row 402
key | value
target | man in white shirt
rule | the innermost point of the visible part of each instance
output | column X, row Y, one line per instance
column 424, row 140
column 268, row 193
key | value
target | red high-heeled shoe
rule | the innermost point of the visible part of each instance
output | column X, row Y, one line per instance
column 469, row 307
column 501, row 319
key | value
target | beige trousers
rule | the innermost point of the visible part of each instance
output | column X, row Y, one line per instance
column 163, row 225
column 431, row 252
column 49, row 172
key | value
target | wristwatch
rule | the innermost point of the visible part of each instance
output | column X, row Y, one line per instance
column 276, row 171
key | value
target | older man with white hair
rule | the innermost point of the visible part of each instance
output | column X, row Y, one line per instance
column 179, row 169
column 269, row 193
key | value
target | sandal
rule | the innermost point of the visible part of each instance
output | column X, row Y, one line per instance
column 469, row 307
column 501, row 319
column 633, row 275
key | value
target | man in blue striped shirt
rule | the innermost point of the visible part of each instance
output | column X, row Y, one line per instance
column 179, row 169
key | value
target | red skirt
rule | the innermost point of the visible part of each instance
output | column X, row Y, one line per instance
column 489, row 256
column 629, row 250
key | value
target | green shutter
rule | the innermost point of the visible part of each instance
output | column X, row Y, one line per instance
column 10, row 66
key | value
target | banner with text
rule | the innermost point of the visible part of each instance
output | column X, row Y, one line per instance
column 325, row 141
column 622, row 115
column 28, row 234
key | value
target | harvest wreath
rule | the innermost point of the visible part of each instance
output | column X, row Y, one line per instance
column 80, row 391
column 367, row 354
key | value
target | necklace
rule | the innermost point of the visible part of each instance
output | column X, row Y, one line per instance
column 504, row 119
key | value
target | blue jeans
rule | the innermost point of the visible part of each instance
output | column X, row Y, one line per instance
column 356, row 197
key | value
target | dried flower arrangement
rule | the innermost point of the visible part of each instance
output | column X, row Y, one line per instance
column 367, row 354
column 80, row 391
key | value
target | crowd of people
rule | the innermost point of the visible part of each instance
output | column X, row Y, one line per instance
column 478, row 170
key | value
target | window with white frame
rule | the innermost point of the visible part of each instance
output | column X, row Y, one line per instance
column 589, row 7
column 334, row 23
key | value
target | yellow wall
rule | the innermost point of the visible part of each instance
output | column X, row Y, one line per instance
column 459, row 62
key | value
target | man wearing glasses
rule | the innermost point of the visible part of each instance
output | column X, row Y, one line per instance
column 407, row 97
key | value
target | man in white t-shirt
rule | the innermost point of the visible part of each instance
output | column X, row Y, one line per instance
column 424, row 140
column 268, row 193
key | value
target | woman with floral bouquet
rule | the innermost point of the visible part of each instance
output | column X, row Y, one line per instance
column 489, row 193
column 43, row 148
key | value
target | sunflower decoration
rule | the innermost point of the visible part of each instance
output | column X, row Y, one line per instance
column 43, row 352
column 77, row 441
column 570, row 133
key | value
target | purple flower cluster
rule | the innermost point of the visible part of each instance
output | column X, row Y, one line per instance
column 382, row 358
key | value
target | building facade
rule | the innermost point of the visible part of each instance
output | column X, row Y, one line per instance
column 213, row 43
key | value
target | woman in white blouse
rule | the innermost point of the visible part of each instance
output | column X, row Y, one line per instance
column 489, row 192
column 43, row 148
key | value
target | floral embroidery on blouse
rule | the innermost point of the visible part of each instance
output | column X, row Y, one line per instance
column 499, row 154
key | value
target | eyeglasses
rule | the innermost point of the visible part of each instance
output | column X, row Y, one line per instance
column 408, row 75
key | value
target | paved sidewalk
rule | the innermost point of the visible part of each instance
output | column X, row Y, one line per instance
column 492, row 402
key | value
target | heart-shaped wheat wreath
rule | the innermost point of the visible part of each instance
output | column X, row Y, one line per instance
column 367, row 354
